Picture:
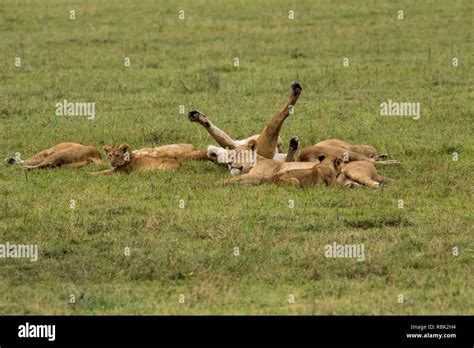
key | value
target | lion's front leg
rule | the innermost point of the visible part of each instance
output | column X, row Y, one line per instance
column 243, row 179
column 103, row 172
column 292, row 148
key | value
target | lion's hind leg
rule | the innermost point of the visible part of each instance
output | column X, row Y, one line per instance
column 77, row 164
column 43, row 165
column 361, row 176
column 268, row 138
column 222, row 138
column 32, row 161
column 351, row 184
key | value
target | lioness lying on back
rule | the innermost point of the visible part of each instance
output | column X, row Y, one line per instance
column 274, row 149
column 271, row 147
column 67, row 154
column 123, row 160
column 265, row 170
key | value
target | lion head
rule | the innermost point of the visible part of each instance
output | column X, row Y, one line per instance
column 333, row 163
column 243, row 158
column 118, row 155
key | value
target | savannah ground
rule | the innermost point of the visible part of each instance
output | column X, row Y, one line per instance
column 190, row 251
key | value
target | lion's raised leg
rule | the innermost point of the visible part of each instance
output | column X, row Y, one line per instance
column 292, row 148
column 222, row 138
column 268, row 138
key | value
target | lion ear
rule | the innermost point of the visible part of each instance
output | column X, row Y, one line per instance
column 252, row 145
column 124, row 148
column 107, row 149
column 321, row 158
column 337, row 164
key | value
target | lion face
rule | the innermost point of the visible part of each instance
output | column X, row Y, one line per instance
column 334, row 163
column 118, row 156
column 242, row 159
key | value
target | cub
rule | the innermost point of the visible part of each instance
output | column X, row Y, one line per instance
column 123, row 160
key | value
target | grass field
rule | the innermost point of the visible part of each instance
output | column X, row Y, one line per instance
column 191, row 251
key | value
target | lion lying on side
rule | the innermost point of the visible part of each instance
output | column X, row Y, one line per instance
column 173, row 151
column 358, row 167
column 66, row 154
column 344, row 151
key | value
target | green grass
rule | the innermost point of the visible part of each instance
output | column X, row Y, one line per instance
column 190, row 251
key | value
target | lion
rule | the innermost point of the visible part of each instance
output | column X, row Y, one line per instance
column 344, row 151
column 331, row 147
column 123, row 160
column 270, row 148
column 174, row 151
column 264, row 170
column 249, row 165
column 67, row 154
column 254, row 162
column 328, row 169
